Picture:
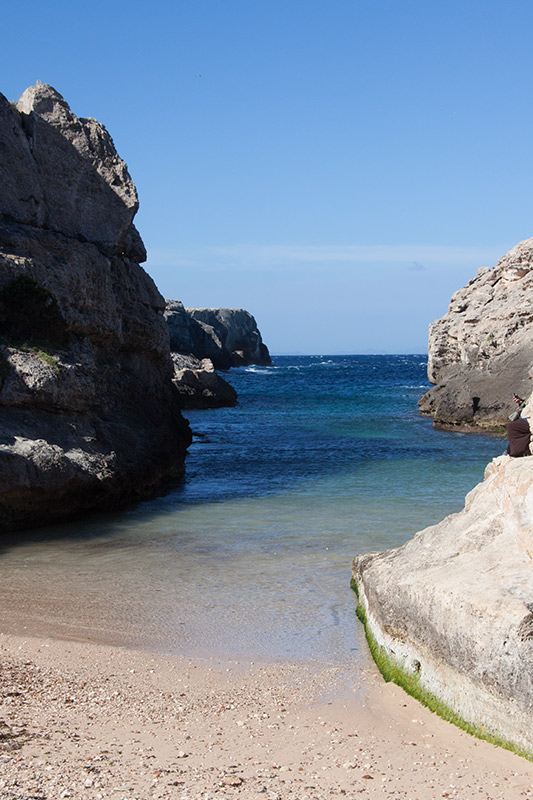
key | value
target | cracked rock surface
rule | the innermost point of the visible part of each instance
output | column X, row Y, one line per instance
column 89, row 417
column 480, row 352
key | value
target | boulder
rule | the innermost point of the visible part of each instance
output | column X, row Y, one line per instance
column 452, row 609
column 479, row 353
column 89, row 416
column 198, row 384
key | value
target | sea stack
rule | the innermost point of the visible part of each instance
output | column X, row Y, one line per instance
column 229, row 337
column 89, row 416
column 480, row 352
column 203, row 340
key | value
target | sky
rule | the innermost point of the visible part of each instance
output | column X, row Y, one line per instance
column 337, row 167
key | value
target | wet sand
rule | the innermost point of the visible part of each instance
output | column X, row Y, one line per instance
column 81, row 720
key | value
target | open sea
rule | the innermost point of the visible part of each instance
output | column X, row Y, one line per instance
column 250, row 556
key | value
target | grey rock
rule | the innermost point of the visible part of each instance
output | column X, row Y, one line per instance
column 21, row 194
column 228, row 337
column 198, row 384
column 89, row 415
column 85, row 185
column 187, row 336
column 455, row 604
column 480, row 351
column 238, row 333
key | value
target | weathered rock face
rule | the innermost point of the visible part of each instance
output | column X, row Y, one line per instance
column 199, row 386
column 89, row 416
column 455, row 604
column 229, row 337
column 481, row 350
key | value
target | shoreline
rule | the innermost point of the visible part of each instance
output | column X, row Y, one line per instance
column 94, row 721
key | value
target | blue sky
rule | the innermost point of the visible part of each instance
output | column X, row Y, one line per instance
column 337, row 168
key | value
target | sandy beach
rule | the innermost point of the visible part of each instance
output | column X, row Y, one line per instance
column 82, row 720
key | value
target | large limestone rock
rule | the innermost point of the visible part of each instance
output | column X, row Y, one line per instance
column 84, row 189
column 455, row 604
column 481, row 350
column 89, row 416
column 229, row 337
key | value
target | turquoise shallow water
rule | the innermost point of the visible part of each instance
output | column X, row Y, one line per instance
column 250, row 556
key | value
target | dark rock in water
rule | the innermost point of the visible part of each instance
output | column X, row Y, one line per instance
column 229, row 337
column 205, row 339
column 481, row 350
column 89, row 416
column 199, row 386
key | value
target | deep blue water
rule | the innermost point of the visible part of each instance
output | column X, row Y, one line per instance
column 323, row 458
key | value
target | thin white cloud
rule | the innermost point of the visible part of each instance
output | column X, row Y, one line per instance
column 286, row 255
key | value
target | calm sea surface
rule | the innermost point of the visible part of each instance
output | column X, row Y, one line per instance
column 250, row 557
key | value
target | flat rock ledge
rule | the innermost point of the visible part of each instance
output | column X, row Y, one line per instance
column 453, row 607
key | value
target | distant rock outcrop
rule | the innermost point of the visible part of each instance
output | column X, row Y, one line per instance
column 453, row 608
column 481, row 350
column 89, row 416
column 205, row 339
column 229, row 337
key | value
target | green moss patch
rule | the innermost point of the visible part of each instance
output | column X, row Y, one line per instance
column 409, row 681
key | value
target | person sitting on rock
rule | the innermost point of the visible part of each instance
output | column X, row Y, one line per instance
column 518, row 431
column 518, row 435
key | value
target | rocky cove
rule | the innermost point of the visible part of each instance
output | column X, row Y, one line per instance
column 90, row 397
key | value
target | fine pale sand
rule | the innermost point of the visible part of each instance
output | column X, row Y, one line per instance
column 81, row 720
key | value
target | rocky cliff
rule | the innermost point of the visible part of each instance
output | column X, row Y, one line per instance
column 89, row 416
column 480, row 351
column 229, row 337
column 453, row 608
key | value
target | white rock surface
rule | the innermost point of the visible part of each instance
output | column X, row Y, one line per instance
column 455, row 603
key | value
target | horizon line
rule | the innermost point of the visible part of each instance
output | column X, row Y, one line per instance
column 280, row 255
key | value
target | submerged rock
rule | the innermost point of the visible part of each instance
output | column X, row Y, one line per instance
column 454, row 606
column 89, row 416
column 480, row 351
